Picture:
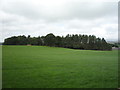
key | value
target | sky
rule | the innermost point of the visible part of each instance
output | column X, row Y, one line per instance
column 60, row 17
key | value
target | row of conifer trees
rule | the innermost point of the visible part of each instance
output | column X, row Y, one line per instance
column 74, row 41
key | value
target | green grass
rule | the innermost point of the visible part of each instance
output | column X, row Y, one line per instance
column 51, row 67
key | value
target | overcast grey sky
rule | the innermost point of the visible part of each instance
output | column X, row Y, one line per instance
column 60, row 17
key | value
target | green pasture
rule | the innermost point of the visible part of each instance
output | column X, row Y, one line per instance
column 53, row 67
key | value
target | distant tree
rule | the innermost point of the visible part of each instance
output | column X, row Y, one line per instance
column 75, row 42
column 91, row 42
column 98, row 44
column 22, row 40
column 43, row 40
column 116, row 45
column 39, row 41
column 69, row 41
column 28, row 39
column 50, row 40
column 58, row 41
column 11, row 41
column 33, row 41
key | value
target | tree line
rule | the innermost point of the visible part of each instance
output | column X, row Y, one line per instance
column 74, row 41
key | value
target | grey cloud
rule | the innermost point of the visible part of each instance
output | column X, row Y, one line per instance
column 65, row 11
column 26, row 18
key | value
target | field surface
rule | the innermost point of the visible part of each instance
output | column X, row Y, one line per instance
column 52, row 67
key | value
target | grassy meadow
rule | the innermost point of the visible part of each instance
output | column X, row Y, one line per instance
column 52, row 67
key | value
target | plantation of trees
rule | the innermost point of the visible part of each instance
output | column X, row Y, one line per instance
column 86, row 42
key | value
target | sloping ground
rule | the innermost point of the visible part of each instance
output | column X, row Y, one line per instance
column 50, row 67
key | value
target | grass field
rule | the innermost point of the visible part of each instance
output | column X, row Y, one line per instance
column 51, row 67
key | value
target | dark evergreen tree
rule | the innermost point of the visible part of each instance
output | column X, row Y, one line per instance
column 69, row 41
column 58, row 41
column 22, row 40
column 39, row 41
column 49, row 40
column 28, row 39
column 11, row 41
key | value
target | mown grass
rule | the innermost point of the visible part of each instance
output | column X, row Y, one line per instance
column 51, row 67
